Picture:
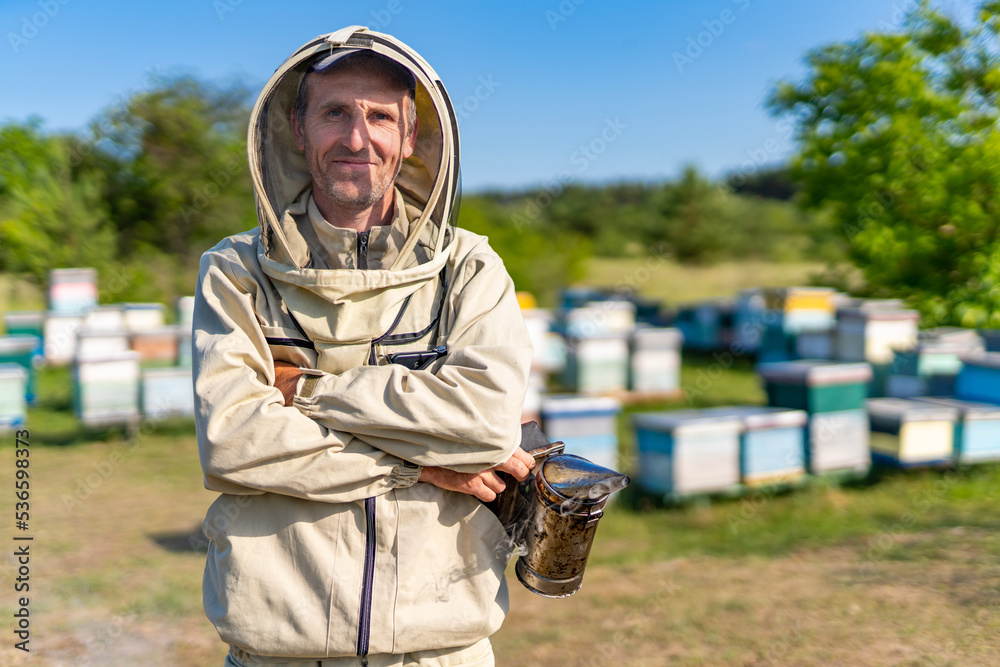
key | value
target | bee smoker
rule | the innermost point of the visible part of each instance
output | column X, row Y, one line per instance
column 552, row 515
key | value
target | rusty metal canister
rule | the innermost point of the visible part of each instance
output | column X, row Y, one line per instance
column 570, row 494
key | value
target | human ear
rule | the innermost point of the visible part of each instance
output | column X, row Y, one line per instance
column 300, row 139
column 410, row 142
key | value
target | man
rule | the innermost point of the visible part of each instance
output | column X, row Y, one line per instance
column 360, row 366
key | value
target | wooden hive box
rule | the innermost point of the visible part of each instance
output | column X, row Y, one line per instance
column 977, row 429
column 979, row 379
column 687, row 452
column 838, row 442
column 908, row 433
column 167, row 392
column 816, row 385
column 587, row 425
column 13, row 406
column 28, row 322
column 597, row 365
column 26, row 351
column 72, row 291
column 107, row 389
column 655, row 359
column 59, row 340
column 157, row 346
column 772, row 442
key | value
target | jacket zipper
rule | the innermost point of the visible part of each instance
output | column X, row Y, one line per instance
column 365, row 614
column 363, row 249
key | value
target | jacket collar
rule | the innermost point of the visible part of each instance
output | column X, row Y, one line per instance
column 316, row 244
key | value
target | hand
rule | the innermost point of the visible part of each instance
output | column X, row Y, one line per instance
column 286, row 378
column 484, row 485
column 519, row 465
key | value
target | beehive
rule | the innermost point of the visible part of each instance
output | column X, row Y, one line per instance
column 979, row 379
column 29, row 322
column 597, row 365
column 772, row 442
column 655, row 361
column 60, row 337
column 107, row 389
column 587, row 425
column 167, row 392
column 687, row 452
column 838, row 442
column 816, row 386
column 72, row 291
column 26, row 351
column 13, row 407
column 907, row 433
column 977, row 429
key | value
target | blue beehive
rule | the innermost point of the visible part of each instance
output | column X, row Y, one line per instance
column 587, row 425
column 707, row 325
column 979, row 379
column 977, row 430
column 930, row 367
column 26, row 351
column 772, row 442
column 687, row 452
column 991, row 337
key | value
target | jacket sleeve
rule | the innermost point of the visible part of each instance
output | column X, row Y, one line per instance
column 249, row 442
column 464, row 411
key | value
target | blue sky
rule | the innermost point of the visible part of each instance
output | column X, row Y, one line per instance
column 602, row 90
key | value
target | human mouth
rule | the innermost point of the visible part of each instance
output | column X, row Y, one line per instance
column 353, row 164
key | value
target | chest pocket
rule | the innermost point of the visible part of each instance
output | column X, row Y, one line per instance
column 290, row 345
column 396, row 345
column 410, row 348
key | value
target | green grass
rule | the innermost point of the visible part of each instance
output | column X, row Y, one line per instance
column 18, row 294
column 931, row 536
column 872, row 513
column 675, row 284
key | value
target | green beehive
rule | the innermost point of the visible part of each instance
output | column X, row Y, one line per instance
column 816, row 386
column 30, row 322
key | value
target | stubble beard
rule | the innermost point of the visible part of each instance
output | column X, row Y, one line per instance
column 361, row 198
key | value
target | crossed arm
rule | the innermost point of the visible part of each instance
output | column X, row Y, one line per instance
column 484, row 485
column 360, row 433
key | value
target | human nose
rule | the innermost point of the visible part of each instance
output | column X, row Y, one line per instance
column 358, row 135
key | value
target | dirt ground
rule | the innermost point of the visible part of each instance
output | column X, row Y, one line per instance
column 116, row 574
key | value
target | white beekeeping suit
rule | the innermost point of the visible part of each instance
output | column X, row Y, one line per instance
column 322, row 543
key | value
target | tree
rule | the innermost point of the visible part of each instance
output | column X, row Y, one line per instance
column 49, row 218
column 178, row 162
column 898, row 138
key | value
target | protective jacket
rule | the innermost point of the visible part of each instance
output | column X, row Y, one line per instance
column 322, row 542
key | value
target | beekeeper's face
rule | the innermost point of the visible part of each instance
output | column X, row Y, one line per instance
column 355, row 135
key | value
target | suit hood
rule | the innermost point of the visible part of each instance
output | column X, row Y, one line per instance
column 428, row 180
